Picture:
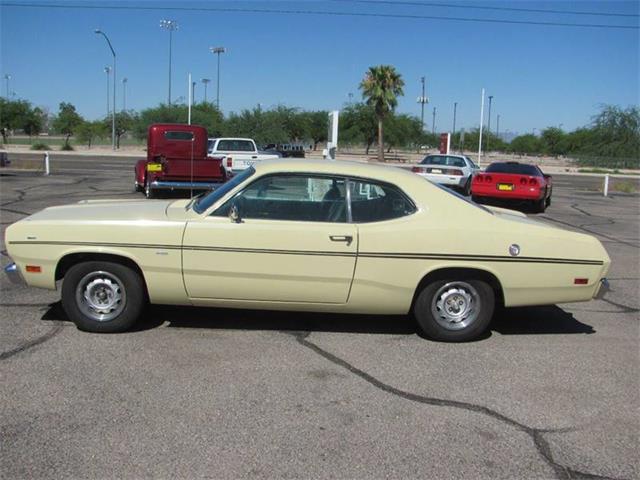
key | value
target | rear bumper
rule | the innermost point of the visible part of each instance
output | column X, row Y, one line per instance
column 12, row 271
column 602, row 290
column 505, row 195
column 178, row 185
column 449, row 180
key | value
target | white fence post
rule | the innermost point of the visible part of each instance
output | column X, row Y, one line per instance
column 46, row 163
column 606, row 185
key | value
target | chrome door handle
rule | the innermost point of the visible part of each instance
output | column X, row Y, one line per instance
column 341, row 238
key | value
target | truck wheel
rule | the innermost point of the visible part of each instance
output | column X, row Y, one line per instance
column 454, row 310
column 102, row 297
column 148, row 191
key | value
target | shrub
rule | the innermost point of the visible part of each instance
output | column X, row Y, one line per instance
column 40, row 146
column 66, row 147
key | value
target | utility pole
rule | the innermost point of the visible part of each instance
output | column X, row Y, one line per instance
column 205, row 81
column 498, row 126
column 422, row 100
column 7, row 77
column 218, row 51
column 172, row 26
column 433, row 124
column 481, row 124
column 124, row 94
column 193, row 92
column 486, row 146
column 455, row 108
column 113, row 112
column 107, row 70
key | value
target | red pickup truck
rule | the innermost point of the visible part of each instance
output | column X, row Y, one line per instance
column 177, row 160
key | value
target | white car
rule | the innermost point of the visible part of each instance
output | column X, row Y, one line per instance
column 450, row 170
column 238, row 153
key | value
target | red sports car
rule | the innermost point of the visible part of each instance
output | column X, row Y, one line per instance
column 513, row 182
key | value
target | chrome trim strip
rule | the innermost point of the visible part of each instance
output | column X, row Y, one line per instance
column 167, row 185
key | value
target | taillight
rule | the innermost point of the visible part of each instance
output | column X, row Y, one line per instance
column 523, row 181
column 229, row 162
column 533, row 181
column 456, row 172
column 417, row 169
column 488, row 178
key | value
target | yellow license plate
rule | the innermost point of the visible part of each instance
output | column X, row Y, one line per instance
column 505, row 187
column 154, row 167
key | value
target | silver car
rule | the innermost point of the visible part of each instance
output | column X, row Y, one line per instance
column 454, row 171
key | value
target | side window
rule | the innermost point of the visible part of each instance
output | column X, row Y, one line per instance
column 374, row 202
column 235, row 146
column 291, row 197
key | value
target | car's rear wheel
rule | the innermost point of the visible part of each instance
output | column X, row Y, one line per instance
column 539, row 206
column 548, row 202
column 103, row 297
column 466, row 190
column 454, row 310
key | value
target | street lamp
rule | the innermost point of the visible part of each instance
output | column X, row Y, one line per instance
column 170, row 25
column 7, row 77
column 433, row 125
column 422, row 100
column 205, row 81
column 124, row 94
column 218, row 51
column 107, row 70
column 486, row 145
column 113, row 113
column 193, row 92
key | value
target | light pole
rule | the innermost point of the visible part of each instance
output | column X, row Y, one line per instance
column 422, row 100
column 455, row 108
column 172, row 26
column 205, row 82
column 113, row 113
column 433, row 123
column 218, row 51
column 107, row 70
column 7, row 77
column 193, row 92
column 498, row 126
column 124, row 94
column 486, row 145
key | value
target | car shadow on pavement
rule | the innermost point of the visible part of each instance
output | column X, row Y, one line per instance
column 508, row 321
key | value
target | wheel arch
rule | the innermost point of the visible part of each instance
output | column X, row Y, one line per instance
column 461, row 272
column 70, row 259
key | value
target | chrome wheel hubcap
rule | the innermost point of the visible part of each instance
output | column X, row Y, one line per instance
column 456, row 305
column 101, row 296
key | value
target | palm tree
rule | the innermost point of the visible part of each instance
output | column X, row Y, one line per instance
column 380, row 86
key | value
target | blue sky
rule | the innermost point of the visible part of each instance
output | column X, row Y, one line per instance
column 538, row 75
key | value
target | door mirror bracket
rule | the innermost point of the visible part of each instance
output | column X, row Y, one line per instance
column 234, row 214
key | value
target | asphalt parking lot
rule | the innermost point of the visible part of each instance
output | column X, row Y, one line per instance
column 551, row 392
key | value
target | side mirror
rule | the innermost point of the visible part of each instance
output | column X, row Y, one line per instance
column 234, row 214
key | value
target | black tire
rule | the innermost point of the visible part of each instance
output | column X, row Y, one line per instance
column 121, row 289
column 548, row 202
column 148, row 191
column 137, row 187
column 476, row 199
column 479, row 302
column 539, row 206
column 466, row 190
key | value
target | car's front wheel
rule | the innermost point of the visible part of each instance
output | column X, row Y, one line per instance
column 454, row 310
column 103, row 297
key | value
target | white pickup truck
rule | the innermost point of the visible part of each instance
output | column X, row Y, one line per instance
column 238, row 153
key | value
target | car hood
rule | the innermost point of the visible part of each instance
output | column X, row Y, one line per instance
column 105, row 210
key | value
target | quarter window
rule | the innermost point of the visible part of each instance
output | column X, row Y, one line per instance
column 374, row 202
column 235, row 146
column 291, row 197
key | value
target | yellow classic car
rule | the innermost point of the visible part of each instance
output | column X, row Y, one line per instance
column 308, row 236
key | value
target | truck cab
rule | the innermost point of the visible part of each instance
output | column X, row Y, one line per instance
column 177, row 159
column 237, row 153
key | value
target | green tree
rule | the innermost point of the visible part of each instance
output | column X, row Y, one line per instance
column 358, row 124
column 67, row 121
column 403, row 131
column 526, row 144
column 14, row 115
column 205, row 114
column 89, row 131
column 380, row 87
column 125, row 122
column 317, row 126
column 554, row 141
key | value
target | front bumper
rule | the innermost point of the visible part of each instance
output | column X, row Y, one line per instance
column 12, row 271
column 602, row 289
column 170, row 185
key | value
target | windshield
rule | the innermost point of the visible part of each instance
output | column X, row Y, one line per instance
column 203, row 203
column 517, row 168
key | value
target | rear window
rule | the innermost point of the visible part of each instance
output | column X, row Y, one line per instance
column 444, row 160
column 235, row 146
column 517, row 168
column 173, row 135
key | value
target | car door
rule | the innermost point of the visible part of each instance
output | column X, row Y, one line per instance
column 291, row 243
